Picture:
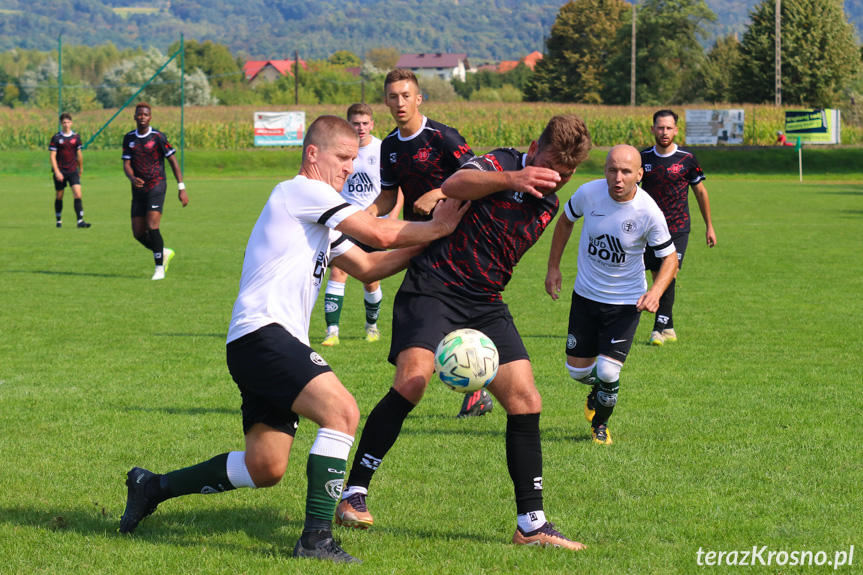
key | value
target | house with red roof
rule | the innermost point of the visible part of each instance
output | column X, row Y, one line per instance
column 436, row 65
column 530, row 61
column 268, row 70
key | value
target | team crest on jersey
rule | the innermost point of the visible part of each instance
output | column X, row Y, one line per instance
column 545, row 218
column 61, row 140
column 317, row 359
column 422, row 155
column 647, row 167
column 372, row 160
column 149, row 144
column 131, row 144
column 393, row 158
column 629, row 227
column 675, row 168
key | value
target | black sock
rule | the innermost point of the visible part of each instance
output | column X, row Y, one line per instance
column 79, row 209
column 379, row 435
column 210, row 476
column 663, row 314
column 524, row 460
column 606, row 399
column 158, row 246
column 145, row 240
column 58, row 208
column 314, row 530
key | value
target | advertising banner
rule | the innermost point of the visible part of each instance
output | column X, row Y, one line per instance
column 813, row 126
column 714, row 127
column 280, row 128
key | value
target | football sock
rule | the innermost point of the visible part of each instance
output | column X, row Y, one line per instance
column 210, row 476
column 532, row 520
column 333, row 301
column 524, row 460
column 58, row 209
column 666, row 304
column 606, row 399
column 79, row 209
column 145, row 240
column 158, row 246
column 373, row 305
column 379, row 435
column 325, row 471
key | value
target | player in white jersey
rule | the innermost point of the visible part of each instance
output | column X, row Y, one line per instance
column 610, row 292
column 360, row 189
column 302, row 227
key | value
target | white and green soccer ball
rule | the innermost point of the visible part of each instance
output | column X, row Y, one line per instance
column 466, row 360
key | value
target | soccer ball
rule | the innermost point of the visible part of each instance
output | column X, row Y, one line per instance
column 466, row 360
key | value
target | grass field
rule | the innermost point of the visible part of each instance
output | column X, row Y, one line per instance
column 745, row 433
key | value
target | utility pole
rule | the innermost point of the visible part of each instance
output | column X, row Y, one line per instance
column 778, row 53
column 59, row 78
column 632, row 71
column 296, row 79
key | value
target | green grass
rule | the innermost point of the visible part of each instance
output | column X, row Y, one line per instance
column 746, row 432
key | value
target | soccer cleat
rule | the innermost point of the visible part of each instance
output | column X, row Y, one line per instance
column 138, row 506
column 168, row 256
column 59, row 224
column 590, row 405
column 669, row 335
column 159, row 274
column 656, row 338
column 601, row 435
column 372, row 334
column 353, row 512
column 545, row 536
column 325, row 550
column 83, row 224
column 331, row 339
column 476, row 404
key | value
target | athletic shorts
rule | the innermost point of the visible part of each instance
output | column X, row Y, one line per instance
column 271, row 367
column 70, row 178
column 425, row 310
column 600, row 328
column 151, row 200
column 653, row 263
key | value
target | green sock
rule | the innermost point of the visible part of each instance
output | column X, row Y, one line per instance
column 333, row 309
column 208, row 477
column 326, row 476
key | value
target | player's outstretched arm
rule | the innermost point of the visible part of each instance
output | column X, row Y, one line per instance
column 667, row 272
column 559, row 239
column 175, row 167
column 384, row 203
column 387, row 233
column 372, row 267
column 471, row 184
column 427, row 202
column 703, row 200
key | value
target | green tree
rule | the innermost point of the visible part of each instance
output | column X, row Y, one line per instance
column 714, row 80
column 383, row 58
column 214, row 60
column 819, row 53
column 583, row 39
column 345, row 59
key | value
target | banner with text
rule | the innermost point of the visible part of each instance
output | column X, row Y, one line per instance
column 280, row 128
column 714, row 127
column 813, row 126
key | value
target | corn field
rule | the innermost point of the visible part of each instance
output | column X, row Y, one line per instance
column 482, row 125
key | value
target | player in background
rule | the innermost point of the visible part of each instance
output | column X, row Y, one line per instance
column 417, row 157
column 303, row 227
column 610, row 291
column 457, row 283
column 668, row 174
column 144, row 153
column 360, row 189
column 67, row 163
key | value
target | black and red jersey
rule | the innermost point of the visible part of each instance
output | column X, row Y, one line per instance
column 478, row 258
column 67, row 151
column 667, row 179
column 147, row 155
column 420, row 163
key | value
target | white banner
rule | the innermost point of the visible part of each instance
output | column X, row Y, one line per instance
column 714, row 127
column 280, row 128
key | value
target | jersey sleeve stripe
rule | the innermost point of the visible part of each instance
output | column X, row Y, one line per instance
column 662, row 246
column 331, row 212
column 569, row 210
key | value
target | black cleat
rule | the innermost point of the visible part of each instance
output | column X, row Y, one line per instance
column 83, row 224
column 59, row 224
column 325, row 550
column 476, row 404
column 138, row 506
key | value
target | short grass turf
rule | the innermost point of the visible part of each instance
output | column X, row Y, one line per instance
column 745, row 433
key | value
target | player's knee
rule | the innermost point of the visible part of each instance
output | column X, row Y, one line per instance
column 265, row 471
column 411, row 387
column 608, row 370
column 583, row 375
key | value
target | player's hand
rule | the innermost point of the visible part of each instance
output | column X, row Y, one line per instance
column 449, row 213
column 711, row 237
column 137, row 183
column 648, row 302
column 184, row 198
column 534, row 180
column 427, row 202
column 553, row 281
column 59, row 176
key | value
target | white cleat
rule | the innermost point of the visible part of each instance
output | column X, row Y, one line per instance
column 159, row 274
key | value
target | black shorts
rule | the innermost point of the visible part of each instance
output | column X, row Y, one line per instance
column 271, row 367
column 600, row 328
column 151, row 200
column 653, row 263
column 425, row 310
column 70, row 178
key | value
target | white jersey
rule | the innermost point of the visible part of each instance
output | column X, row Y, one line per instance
column 364, row 185
column 613, row 240
column 287, row 256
